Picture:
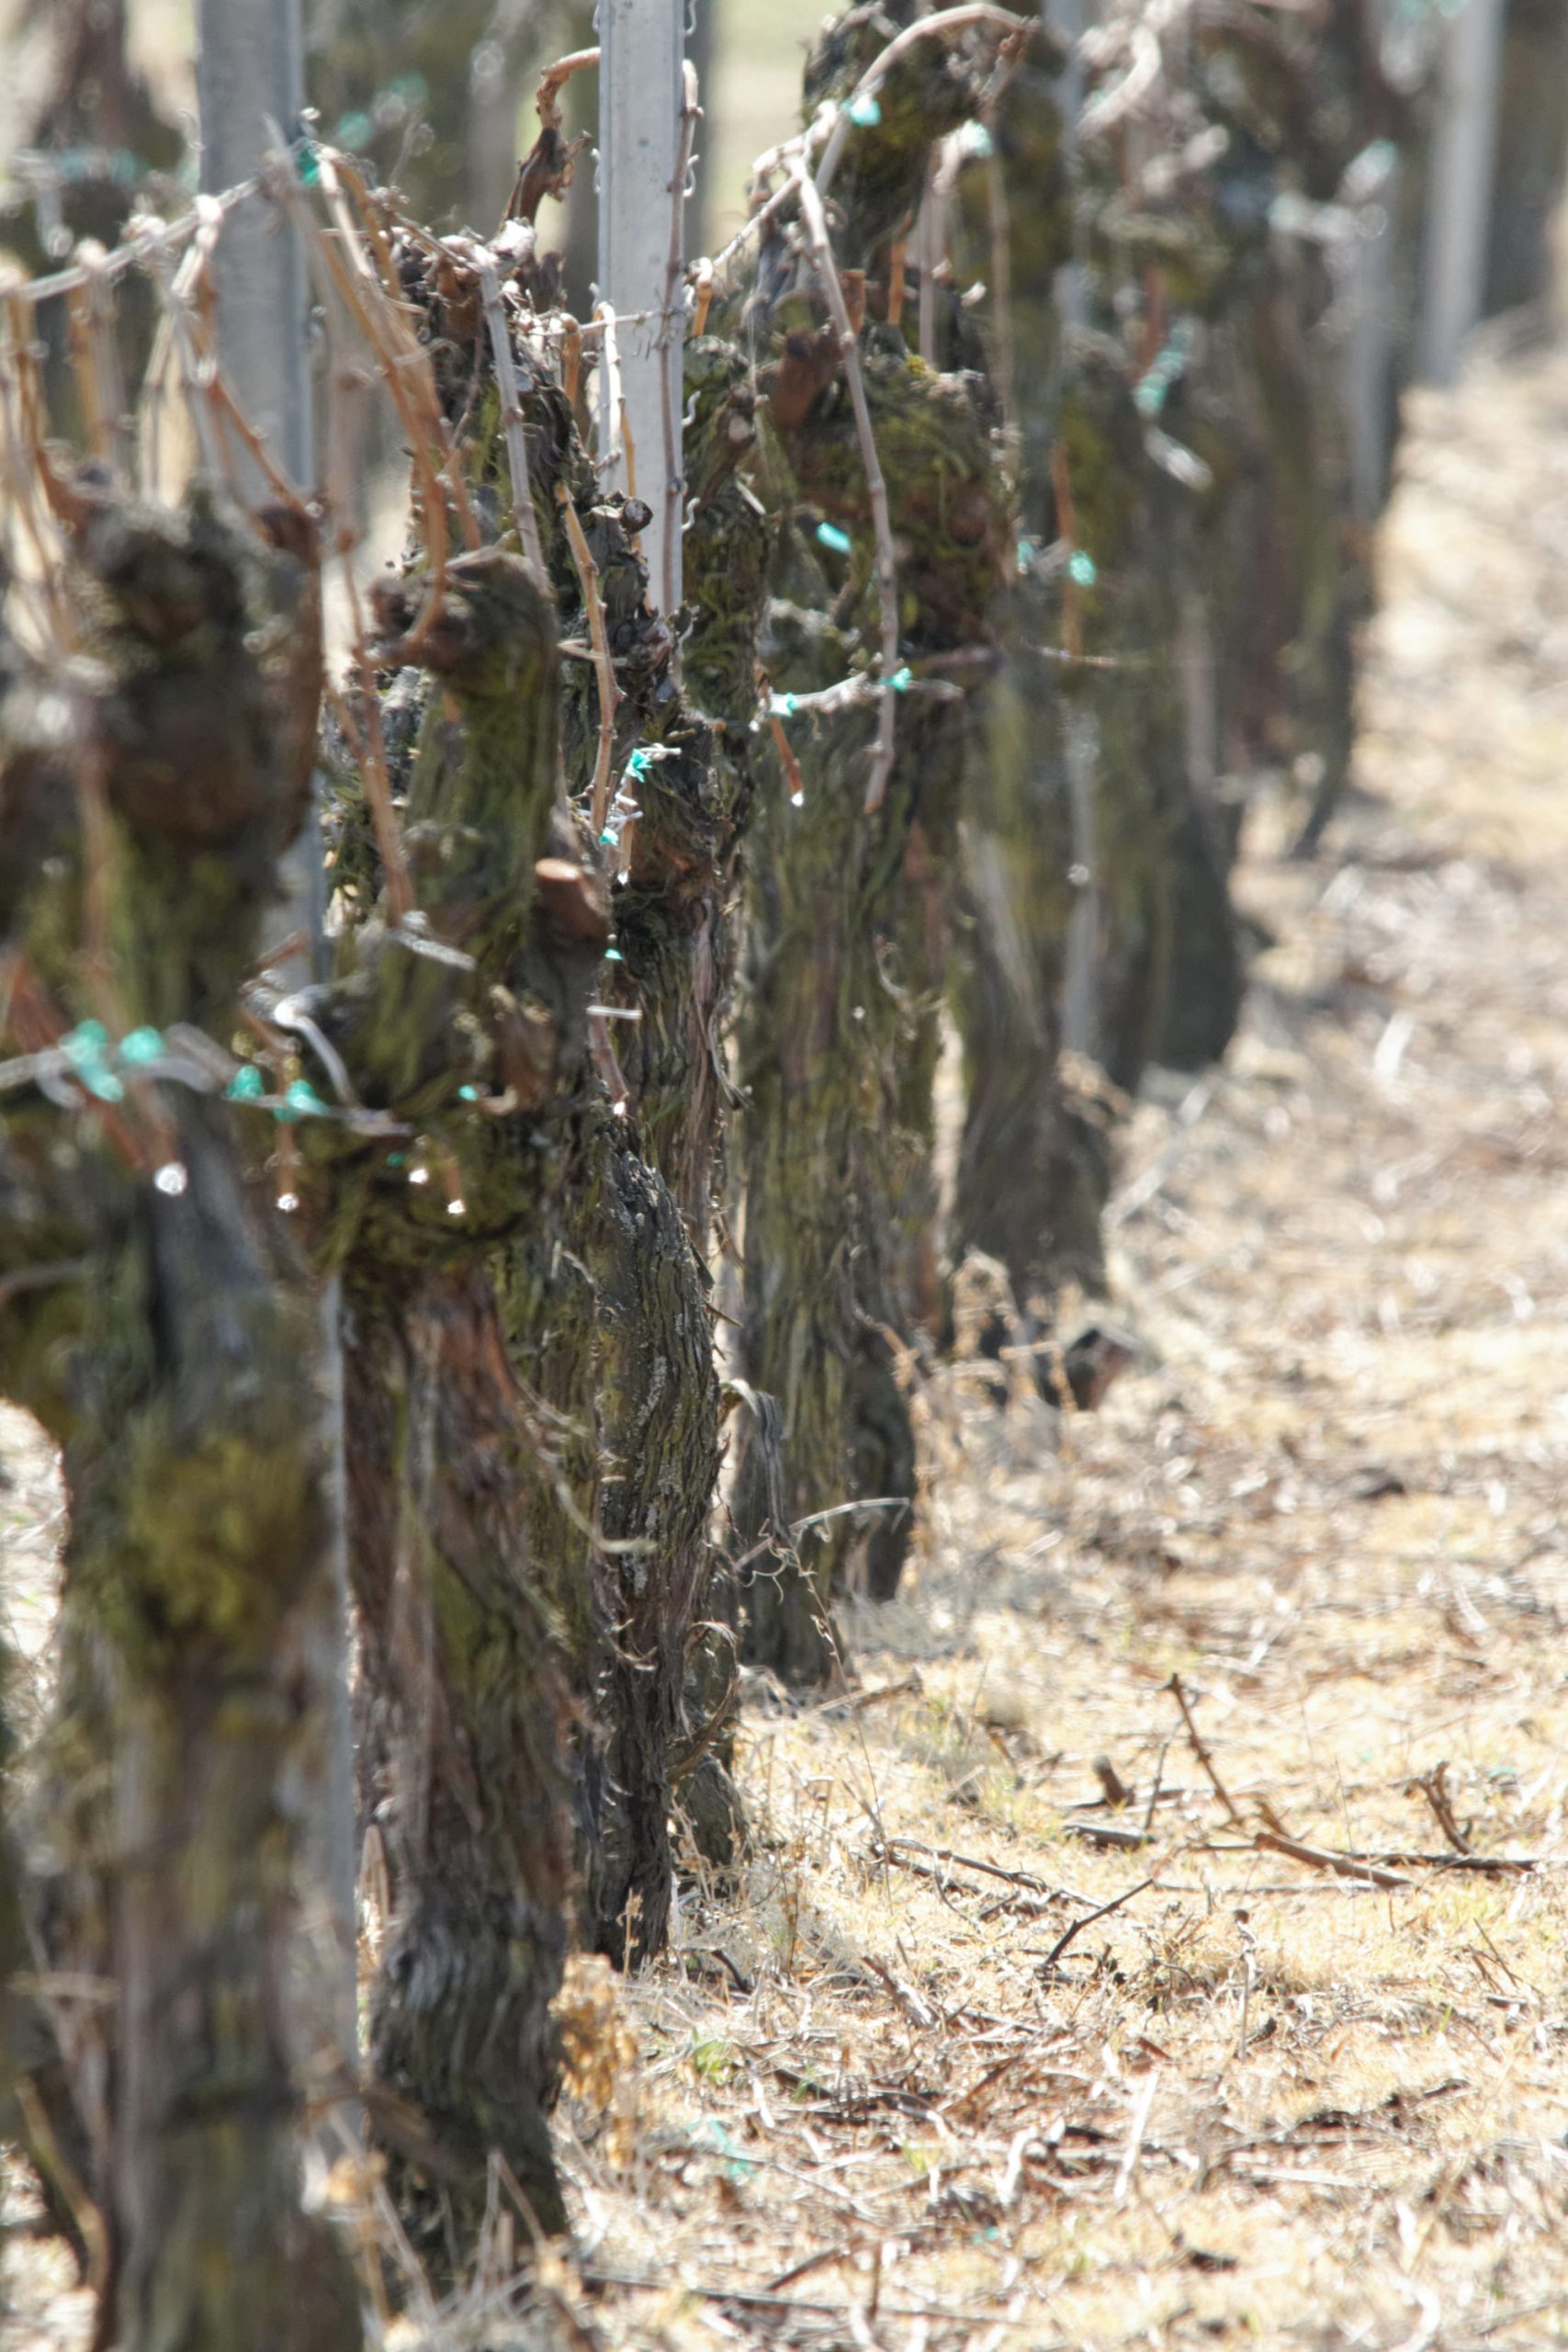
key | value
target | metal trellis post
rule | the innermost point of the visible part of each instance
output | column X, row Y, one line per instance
column 250, row 85
column 1080, row 985
column 250, row 73
column 644, row 156
column 1464, row 154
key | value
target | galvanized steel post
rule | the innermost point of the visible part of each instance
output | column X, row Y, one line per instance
column 250, row 87
column 1464, row 155
column 644, row 155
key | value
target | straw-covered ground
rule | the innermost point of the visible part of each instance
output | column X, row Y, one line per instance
column 1035, row 2024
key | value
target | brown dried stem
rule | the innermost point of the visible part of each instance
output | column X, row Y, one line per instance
column 1318, row 1858
column 552, row 81
column 1200, row 1751
column 604, row 668
column 96, row 358
column 173, row 297
column 512, row 422
column 816, row 223
column 337, row 175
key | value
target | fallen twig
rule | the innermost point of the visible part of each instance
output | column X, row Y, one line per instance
column 1319, row 1857
column 914, row 2005
column 1496, row 1865
column 989, row 1870
column 1033, row 1905
column 1108, row 1833
column 1048, row 1965
column 764, row 2298
column 1200, row 1751
column 1433, row 1786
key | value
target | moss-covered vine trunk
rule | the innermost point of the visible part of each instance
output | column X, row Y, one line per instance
column 467, row 1722
column 534, row 1422
column 156, row 1321
column 479, row 1039
column 848, row 885
column 1034, row 1161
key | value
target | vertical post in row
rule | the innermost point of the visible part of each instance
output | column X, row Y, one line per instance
column 1464, row 155
column 1069, row 18
column 250, row 73
column 1364, row 266
column 250, row 86
column 249, row 83
column 1080, row 982
column 644, row 155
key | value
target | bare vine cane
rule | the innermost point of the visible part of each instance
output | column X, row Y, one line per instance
column 886, row 561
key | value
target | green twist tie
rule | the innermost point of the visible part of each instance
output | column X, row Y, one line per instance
column 467, row 1095
column 302, row 1101
column 84, row 1049
column 1082, row 570
column 140, row 1046
column 829, row 535
column 84, row 1044
column 865, row 112
column 902, row 680
column 247, row 1085
column 354, row 131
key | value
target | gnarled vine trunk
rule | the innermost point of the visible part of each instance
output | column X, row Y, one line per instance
column 848, row 921
column 161, row 1329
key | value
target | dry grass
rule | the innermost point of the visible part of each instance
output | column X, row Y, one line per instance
column 1258, row 2102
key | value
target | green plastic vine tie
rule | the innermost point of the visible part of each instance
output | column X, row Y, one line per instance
column 301, row 1102
column 142, row 1046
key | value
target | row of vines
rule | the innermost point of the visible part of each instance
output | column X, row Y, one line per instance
column 1025, row 531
